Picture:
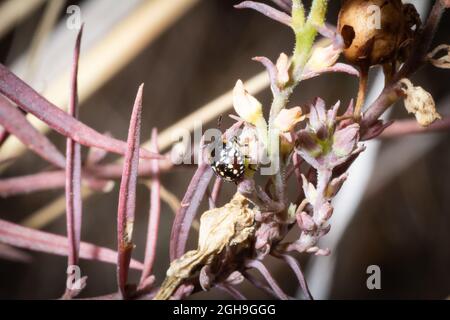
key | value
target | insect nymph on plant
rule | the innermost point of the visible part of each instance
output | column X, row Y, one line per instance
column 227, row 161
column 310, row 146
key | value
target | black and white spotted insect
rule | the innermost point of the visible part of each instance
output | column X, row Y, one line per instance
column 227, row 161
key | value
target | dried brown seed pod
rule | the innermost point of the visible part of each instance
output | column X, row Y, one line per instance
column 373, row 30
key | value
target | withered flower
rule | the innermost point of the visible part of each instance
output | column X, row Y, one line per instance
column 421, row 103
column 230, row 226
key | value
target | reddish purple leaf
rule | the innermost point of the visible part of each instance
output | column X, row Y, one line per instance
column 286, row 5
column 43, row 181
column 215, row 193
column 13, row 254
column 95, row 155
column 15, row 122
column 155, row 211
column 189, row 205
column 258, row 265
column 3, row 135
column 295, row 266
column 271, row 70
column 73, row 176
column 404, row 127
column 31, row 101
column 127, row 196
column 338, row 67
column 266, row 10
column 27, row 238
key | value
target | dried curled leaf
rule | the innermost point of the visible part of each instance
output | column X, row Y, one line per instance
column 420, row 102
column 442, row 62
column 228, row 226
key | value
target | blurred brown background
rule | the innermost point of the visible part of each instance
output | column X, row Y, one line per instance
column 402, row 223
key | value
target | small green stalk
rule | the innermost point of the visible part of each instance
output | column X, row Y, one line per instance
column 305, row 34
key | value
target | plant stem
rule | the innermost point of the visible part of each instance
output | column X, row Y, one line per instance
column 305, row 33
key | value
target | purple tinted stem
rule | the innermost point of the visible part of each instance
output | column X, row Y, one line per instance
column 155, row 211
column 127, row 195
column 295, row 266
column 258, row 265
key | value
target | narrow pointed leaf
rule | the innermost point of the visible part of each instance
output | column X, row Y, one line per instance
column 15, row 122
column 266, row 10
column 31, row 101
column 189, row 205
column 127, row 196
column 155, row 211
column 27, row 238
column 73, row 175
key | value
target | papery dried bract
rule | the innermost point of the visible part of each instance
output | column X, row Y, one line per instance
column 421, row 103
column 442, row 62
column 229, row 226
